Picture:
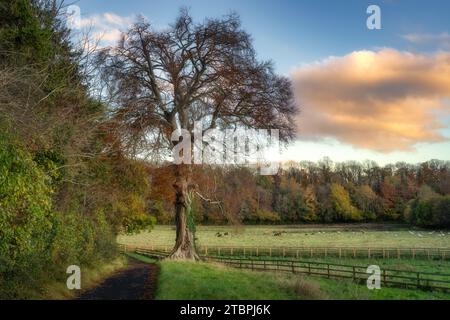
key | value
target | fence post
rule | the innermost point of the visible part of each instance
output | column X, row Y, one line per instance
column 311, row 252
column 354, row 253
column 292, row 265
column 354, row 273
column 340, row 253
column 296, row 254
column 413, row 253
column 368, row 253
column 270, row 251
column 309, row 268
column 257, row 253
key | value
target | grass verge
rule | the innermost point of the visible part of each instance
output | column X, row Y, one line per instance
column 204, row 281
column 90, row 278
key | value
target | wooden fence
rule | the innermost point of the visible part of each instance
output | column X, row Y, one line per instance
column 389, row 277
column 320, row 252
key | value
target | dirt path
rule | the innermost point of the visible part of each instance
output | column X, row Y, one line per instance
column 137, row 282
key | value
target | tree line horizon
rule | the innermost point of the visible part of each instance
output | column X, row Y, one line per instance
column 315, row 192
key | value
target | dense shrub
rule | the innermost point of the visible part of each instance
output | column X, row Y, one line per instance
column 33, row 235
column 66, row 189
column 25, row 216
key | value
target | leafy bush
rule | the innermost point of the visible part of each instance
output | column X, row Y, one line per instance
column 25, row 214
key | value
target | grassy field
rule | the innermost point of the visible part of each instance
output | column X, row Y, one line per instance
column 360, row 235
column 183, row 280
column 206, row 281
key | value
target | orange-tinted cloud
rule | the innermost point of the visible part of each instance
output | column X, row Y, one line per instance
column 385, row 100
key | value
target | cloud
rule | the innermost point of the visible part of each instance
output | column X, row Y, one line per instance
column 106, row 27
column 383, row 100
column 441, row 40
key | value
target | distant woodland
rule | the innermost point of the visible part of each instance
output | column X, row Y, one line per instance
column 316, row 192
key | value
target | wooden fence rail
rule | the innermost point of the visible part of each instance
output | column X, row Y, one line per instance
column 389, row 277
column 321, row 252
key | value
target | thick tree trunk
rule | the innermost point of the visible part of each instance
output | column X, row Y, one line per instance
column 185, row 242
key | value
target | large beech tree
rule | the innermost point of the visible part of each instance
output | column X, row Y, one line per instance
column 162, row 81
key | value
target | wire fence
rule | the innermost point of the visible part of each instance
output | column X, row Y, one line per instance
column 320, row 252
column 388, row 277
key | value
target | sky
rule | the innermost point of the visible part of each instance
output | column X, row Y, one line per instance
column 382, row 95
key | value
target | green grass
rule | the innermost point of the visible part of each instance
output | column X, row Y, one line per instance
column 414, row 265
column 296, row 236
column 433, row 266
column 347, row 290
column 202, row 281
column 141, row 257
column 91, row 277
column 206, row 281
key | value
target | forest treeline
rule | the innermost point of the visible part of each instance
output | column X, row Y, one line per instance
column 66, row 189
column 319, row 192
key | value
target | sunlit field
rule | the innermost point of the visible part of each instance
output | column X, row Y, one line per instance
column 297, row 236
